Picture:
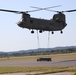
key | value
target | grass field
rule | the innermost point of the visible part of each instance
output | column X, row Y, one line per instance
column 17, row 69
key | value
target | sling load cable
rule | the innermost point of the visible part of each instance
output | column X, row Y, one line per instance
column 48, row 45
column 38, row 40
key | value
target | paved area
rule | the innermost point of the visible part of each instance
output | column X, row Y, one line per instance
column 55, row 62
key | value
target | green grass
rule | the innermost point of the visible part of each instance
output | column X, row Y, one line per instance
column 15, row 69
column 74, row 73
column 18, row 58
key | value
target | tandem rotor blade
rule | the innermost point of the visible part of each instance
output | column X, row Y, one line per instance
column 18, row 12
column 45, row 8
column 62, row 11
column 70, row 10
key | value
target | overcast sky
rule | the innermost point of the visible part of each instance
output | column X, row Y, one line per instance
column 14, row 38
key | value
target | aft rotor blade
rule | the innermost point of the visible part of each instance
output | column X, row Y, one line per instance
column 69, row 11
column 45, row 8
column 52, row 10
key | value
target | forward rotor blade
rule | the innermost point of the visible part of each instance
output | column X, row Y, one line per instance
column 33, row 10
column 18, row 12
column 35, row 7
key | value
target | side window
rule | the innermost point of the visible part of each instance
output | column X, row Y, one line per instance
column 31, row 21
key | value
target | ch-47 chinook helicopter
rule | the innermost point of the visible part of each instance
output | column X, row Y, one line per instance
column 57, row 23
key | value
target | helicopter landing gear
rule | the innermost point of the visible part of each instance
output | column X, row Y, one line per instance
column 40, row 31
column 61, row 32
column 52, row 32
column 32, row 31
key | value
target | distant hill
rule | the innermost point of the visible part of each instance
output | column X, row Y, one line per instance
column 47, row 49
column 40, row 51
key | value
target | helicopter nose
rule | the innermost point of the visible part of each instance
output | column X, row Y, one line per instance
column 20, row 24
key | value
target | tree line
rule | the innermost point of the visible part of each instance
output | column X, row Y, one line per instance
column 34, row 53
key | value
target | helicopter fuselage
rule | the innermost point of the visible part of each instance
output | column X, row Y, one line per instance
column 55, row 24
column 42, row 24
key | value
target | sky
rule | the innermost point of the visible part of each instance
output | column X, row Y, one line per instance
column 14, row 38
